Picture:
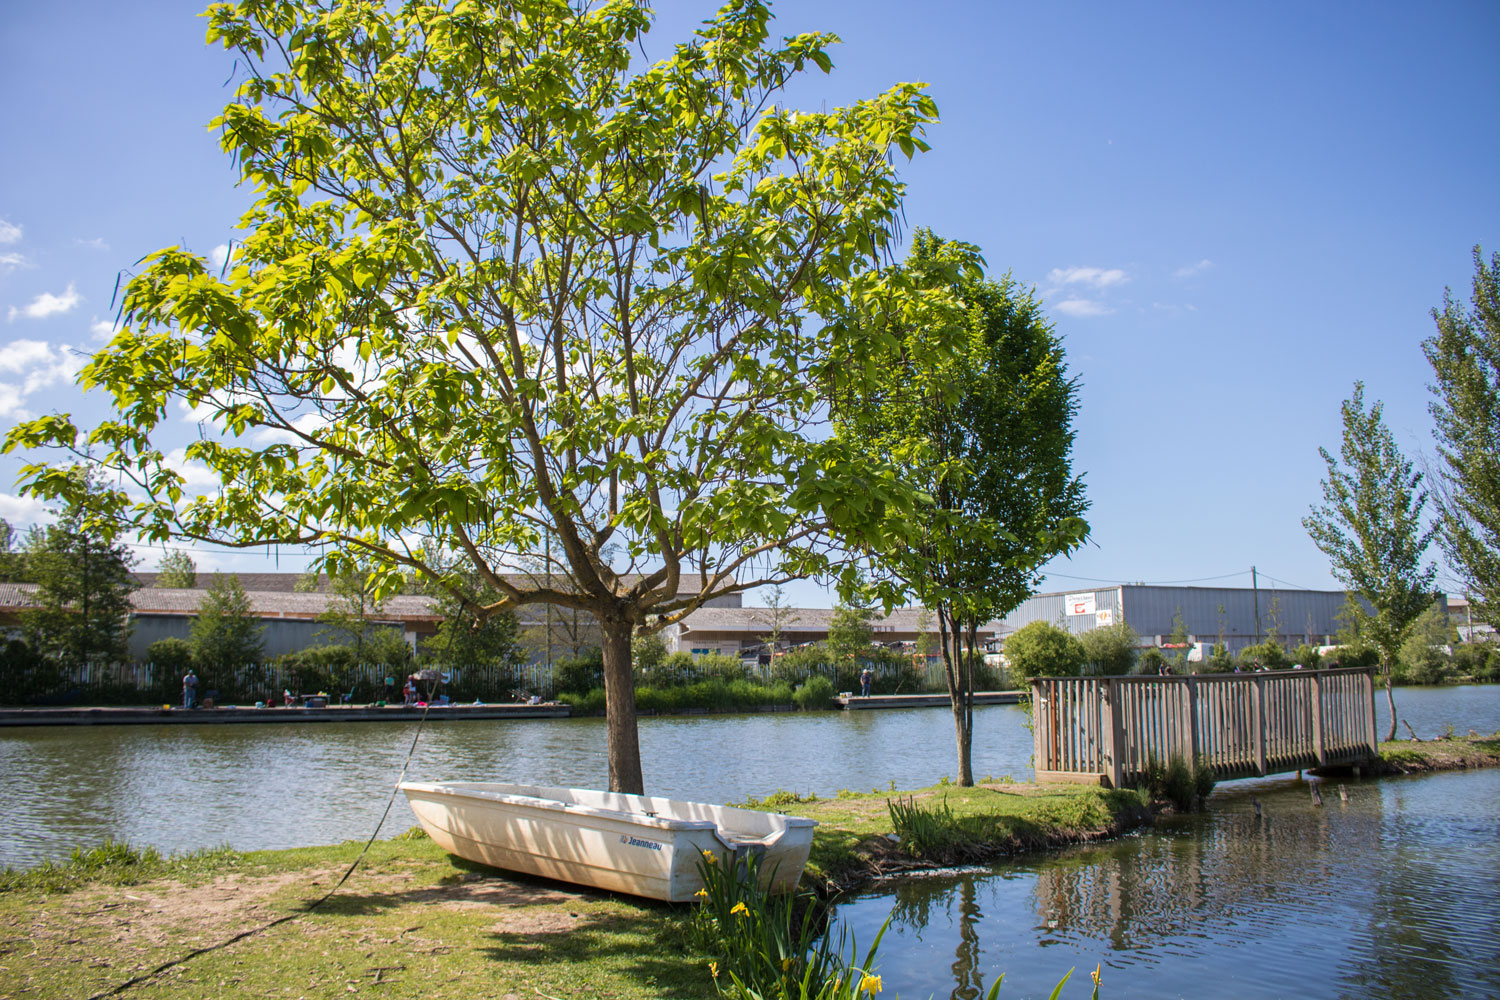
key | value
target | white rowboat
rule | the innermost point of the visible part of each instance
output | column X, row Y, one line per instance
column 637, row 844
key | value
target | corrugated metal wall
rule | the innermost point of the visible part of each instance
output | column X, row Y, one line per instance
column 1150, row 610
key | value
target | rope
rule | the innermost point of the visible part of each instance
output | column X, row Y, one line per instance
column 147, row 976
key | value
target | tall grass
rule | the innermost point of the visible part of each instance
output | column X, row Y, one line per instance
column 780, row 947
column 115, row 862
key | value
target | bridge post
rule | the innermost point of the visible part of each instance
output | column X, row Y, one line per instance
column 1113, row 724
column 1317, row 720
column 1190, row 724
column 1259, row 713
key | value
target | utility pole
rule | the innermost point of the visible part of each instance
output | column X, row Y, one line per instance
column 1255, row 591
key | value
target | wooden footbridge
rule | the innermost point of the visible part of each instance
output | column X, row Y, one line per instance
column 1111, row 729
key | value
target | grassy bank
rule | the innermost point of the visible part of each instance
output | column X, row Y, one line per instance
column 414, row 921
column 1448, row 753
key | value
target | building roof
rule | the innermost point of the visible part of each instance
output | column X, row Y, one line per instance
column 752, row 622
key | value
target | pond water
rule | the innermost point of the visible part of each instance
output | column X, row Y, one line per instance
column 266, row 785
column 1390, row 894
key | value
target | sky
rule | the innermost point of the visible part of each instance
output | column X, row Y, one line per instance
column 1231, row 212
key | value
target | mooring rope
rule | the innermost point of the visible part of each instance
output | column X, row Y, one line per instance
column 184, row 959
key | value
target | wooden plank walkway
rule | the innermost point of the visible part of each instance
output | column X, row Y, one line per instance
column 237, row 716
column 859, row 703
column 1111, row 729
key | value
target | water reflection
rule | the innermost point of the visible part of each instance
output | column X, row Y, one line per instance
column 271, row 786
column 1387, row 894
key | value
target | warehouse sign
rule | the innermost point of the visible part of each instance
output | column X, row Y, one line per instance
column 1080, row 604
column 1104, row 617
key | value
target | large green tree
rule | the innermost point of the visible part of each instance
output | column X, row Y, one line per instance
column 1369, row 525
column 501, row 280
column 1465, row 359
column 226, row 633
column 83, row 590
column 985, row 431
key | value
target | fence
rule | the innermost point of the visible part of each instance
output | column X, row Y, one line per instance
column 1239, row 725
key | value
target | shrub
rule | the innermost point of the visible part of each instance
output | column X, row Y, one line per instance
column 1478, row 660
column 816, row 693
column 579, row 674
column 1150, row 661
column 1110, row 649
column 1423, row 665
column 1175, row 782
column 1358, row 655
column 1307, row 655
column 172, row 655
column 1042, row 650
column 1269, row 654
column 1219, row 661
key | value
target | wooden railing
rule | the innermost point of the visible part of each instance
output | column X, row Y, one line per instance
column 1111, row 729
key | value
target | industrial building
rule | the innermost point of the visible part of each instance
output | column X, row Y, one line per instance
column 1235, row 616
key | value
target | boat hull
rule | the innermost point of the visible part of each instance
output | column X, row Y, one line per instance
column 636, row 844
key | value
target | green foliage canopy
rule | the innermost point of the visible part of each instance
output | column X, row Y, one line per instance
column 1370, row 527
column 225, row 633
column 499, row 281
column 1110, row 649
column 1041, row 649
column 83, row 590
column 985, row 430
column 176, row 570
column 1465, row 359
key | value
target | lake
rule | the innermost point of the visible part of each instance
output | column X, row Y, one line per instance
column 180, row 787
column 1389, row 895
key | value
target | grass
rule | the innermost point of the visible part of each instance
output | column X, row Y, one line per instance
column 414, row 921
column 1448, row 753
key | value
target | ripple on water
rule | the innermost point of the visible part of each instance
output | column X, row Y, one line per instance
column 1388, row 895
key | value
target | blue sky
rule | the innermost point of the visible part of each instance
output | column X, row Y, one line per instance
column 1231, row 211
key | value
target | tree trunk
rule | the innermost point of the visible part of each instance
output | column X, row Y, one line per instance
column 1390, row 701
column 960, row 677
column 619, row 708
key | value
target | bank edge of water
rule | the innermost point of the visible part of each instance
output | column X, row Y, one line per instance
column 855, row 842
column 411, row 899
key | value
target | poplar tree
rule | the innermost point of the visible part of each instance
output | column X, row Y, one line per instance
column 1369, row 525
column 1465, row 359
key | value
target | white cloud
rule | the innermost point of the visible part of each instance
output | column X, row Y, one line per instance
column 97, row 243
column 10, row 261
column 195, row 475
column 1094, row 277
column 308, row 423
column 9, row 232
column 220, row 255
column 47, row 304
column 201, row 413
column 19, row 355
column 12, row 402
column 23, row 510
column 39, row 365
column 1082, row 307
column 1191, row 269
column 103, row 329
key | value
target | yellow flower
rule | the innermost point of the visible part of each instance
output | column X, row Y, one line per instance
column 1095, row 973
column 713, row 967
column 702, row 892
column 710, row 856
column 871, row 985
column 739, row 908
column 786, row 963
